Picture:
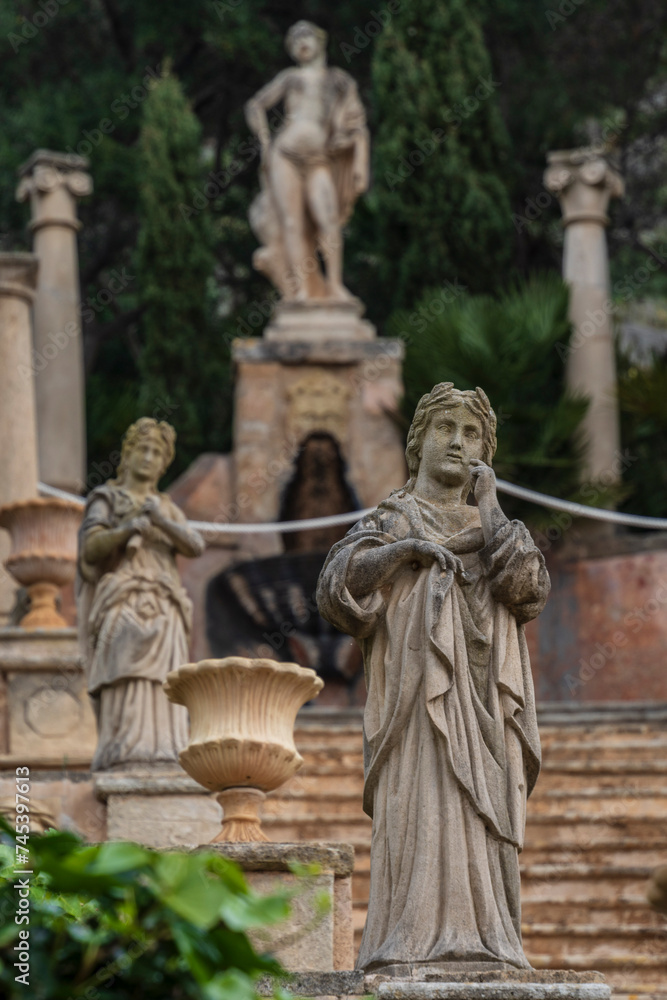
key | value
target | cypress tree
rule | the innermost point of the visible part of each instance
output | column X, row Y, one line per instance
column 441, row 206
column 181, row 361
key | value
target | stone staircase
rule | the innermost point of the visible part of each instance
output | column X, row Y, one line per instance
column 596, row 829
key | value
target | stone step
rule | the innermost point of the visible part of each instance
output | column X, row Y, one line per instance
column 285, row 827
column 591, row 750
column 572, row 826
column 321, row 782
column 593, row 943
column 578, row 883
column 617, row 853
column 601, row 803
column 625, row 909
column 308, row 807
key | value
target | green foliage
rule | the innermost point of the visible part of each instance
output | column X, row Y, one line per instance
column 182, row 359
column 511, row 347
column 115, row 921
column 440, row 200
column 642, row 393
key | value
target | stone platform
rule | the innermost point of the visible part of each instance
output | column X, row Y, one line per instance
column 319, row 320
column 491, row 985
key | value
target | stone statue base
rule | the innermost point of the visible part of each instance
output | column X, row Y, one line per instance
column 309, row 940
column 319, row 319
column 48, row 719
column 157, row 806
column 489, row 985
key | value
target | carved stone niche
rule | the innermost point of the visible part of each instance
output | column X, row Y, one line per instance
column 318, row 401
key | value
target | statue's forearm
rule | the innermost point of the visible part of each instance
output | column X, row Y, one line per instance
column 372, row 568
column 257, row 121
column 101, row 542
column 186, row 541
column 492, row 519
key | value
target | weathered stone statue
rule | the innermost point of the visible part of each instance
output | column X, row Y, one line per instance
column 312, row 171
column 134, row 615
column 437, row 592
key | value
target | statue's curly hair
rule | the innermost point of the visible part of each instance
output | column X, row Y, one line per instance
column 305, row 28
column 142, row 428
column 444, row 394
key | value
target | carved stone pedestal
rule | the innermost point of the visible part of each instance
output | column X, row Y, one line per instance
column 289, row 389
column 423, row 985
column 48, row 719
column 317, row 320
column 310, row 940
column 160, row 807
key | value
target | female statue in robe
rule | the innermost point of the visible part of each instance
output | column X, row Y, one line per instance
column 134, row 615
column 437, row 592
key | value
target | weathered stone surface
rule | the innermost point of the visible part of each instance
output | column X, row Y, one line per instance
column 603, row 634
column 306, row 939
column 321, row 984
column 452, row 748
column 328, row 945
column 336, row 859
column 160, row 820
column 281, row 398
column 67, row 795
column 299, row 217
column 319, row 321
column 48, row 717
column 407, row 990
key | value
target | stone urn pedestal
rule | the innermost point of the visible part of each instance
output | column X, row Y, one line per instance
column 43, row 553
column 242, row 715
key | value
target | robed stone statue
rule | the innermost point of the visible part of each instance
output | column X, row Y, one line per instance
column 437, row 592
column 134, row 615
column 313, row 169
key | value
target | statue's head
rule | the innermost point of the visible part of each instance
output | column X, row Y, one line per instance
column 471, row 408
column 147, row 450
column 305, row 41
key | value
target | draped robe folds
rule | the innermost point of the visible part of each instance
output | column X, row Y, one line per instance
column 451, row 747
column 134, row 621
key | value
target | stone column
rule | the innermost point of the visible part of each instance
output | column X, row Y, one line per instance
column 54, row 181
column 584, row 182
column 18, row 434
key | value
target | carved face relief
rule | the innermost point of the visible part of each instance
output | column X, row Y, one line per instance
column 453, row 437
column 318, row 402
column 146, row 459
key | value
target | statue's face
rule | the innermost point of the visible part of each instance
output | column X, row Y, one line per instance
column 453, row 437
column 146, row 458
column 304, row 48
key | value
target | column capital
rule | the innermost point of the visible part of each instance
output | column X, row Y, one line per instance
column 53, row 181
column 18, row 275
column 584, row 182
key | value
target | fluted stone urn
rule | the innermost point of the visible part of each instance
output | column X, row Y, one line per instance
column 42, row 558
column 242, row 715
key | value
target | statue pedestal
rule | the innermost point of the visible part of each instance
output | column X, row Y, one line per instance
column 514, row 985
column 49, row 721
column 167, row 809
column 157, row 807
column 319, row 320
column 309, row 941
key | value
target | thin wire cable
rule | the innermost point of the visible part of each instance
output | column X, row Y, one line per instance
column 212, row 528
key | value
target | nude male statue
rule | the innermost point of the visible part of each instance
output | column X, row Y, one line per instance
column 312, row 171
